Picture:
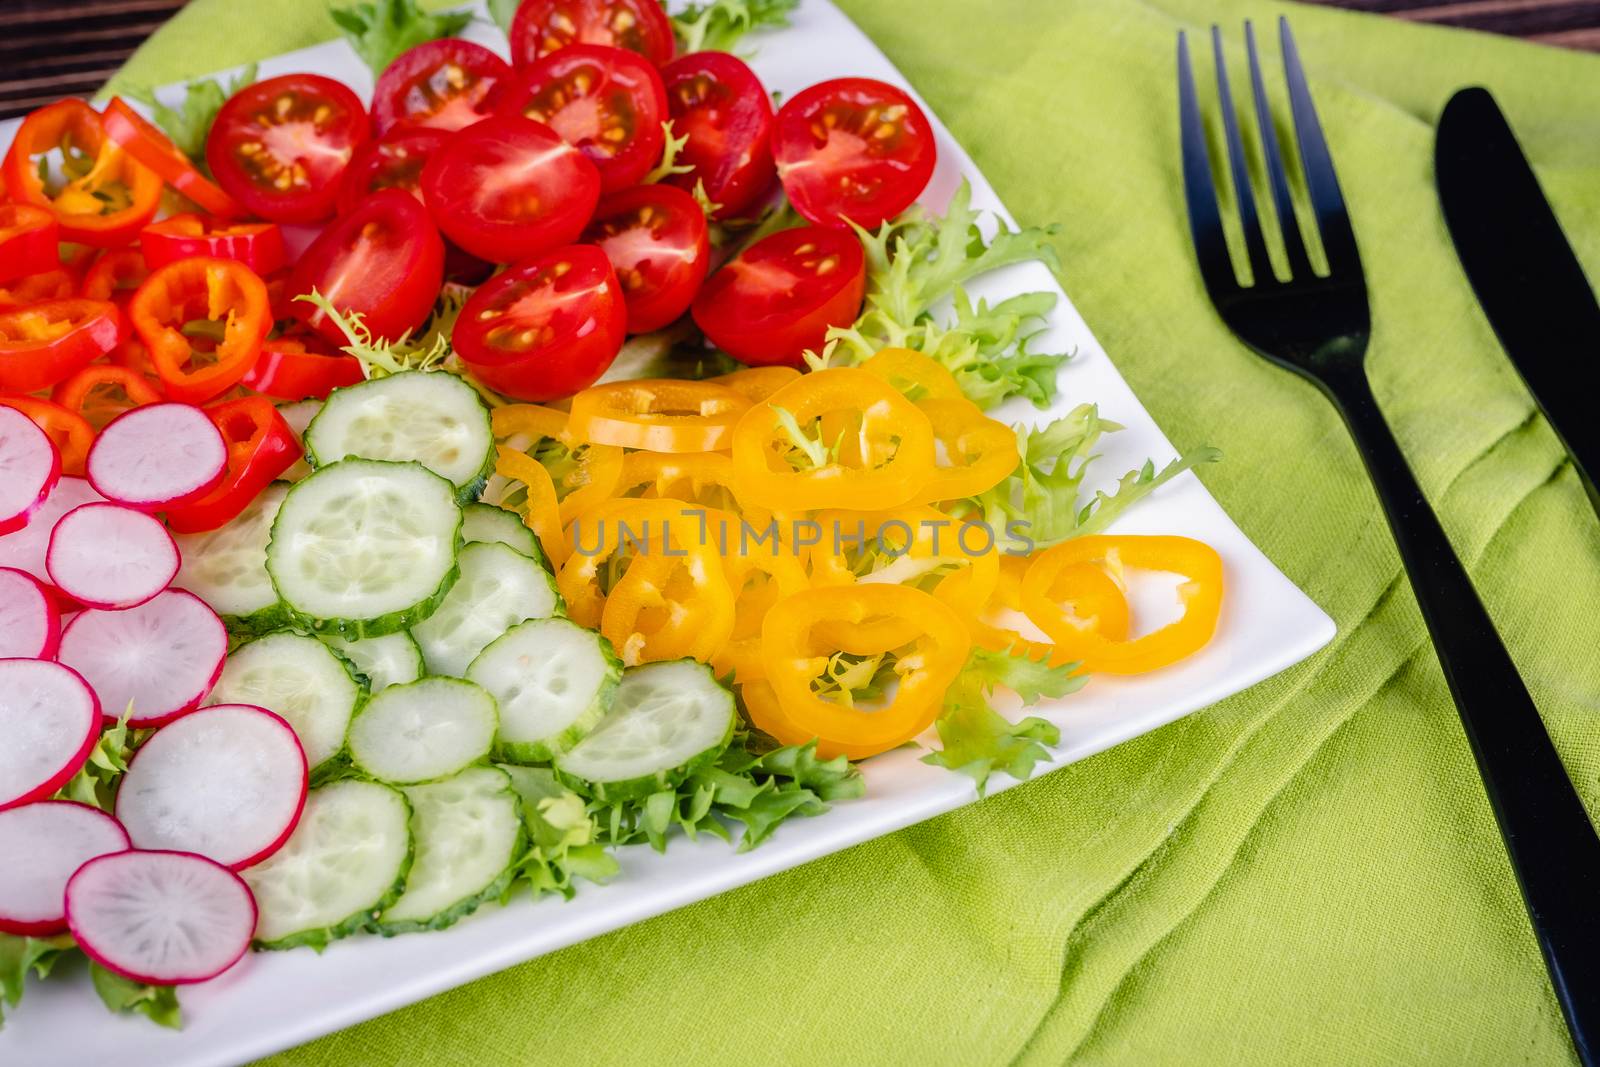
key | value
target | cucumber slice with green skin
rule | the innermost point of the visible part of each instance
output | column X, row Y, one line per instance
column 423, row 731
column 344, row 864
column 432, row 417
column 392, row 659
column 227, row 567
column 667, row 720
column 300, row 678
column 554, row 681
column 498, row 588
column 299, row 415
column 469, row 836
column 364, row 547
column 487, row 523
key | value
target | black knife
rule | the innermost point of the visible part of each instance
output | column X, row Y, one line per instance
column 1522, row 269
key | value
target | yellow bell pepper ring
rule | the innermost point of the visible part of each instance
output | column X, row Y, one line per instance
column 916, row 376
column 532, row 419
column 544, row 513
column 657, row 414
column 1080, row 635
column 980, row 451
column 669, row 607
column 755, row 384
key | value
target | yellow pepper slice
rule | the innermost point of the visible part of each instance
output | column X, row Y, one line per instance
column 915, row 375
column 980, row 451
column 1092, row 595
column 658, row 414
column 755, row 384
column 543, row 515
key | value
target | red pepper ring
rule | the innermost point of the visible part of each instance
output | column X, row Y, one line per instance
column 102, row 391
column 29, row 241
column 258, row 245
column 70, row 432
column 289, row 370
column 40, row 344
column 223, row 297
column 261, row 446
column 114, row 275
column 144, row 141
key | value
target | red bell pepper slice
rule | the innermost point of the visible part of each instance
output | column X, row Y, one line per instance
column 288, row 369
column 55, row 284
column 40, row 344
column 258, row 245
column 261, row 446
column 70, row 431
column 202, row 321
column 114, row 275
column 145, row 142
column 29, row 241
column 102, row 391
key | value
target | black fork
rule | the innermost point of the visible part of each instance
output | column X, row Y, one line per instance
column 1317, row 325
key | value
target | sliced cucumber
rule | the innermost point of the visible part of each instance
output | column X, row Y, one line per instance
column 553, row 680
column 392, row 659
column 345, row 862
column 487, row 523
column 498, row 588
column 299, row 415
column 226, row 567
column 469, row 835
column 431, row 417
column 300, row 678
column 423, row 731
column 364, row 548
column 666, row 721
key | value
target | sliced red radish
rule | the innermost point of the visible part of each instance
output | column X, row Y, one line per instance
column 163, row 918
column 227, row 782
column 109, row 556
column 30, row 625
column 49, row 719
column 30, row 465
column 162, row 656
column 158, row 456
column 25, row 548
column 44, row 844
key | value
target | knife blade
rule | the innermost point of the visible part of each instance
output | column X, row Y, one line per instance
column 1523, row 271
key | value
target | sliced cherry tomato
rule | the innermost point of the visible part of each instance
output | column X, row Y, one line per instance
column 853, row 149
column 290, row 369
column 384, row 260
column 543, row 26
column 545, row 328
column 280, row 146
column 657, row 241
column 510, row 187
column 718, row 103
column 445, row 84
column 102, row 391
column 29, row 239
column 202, row 322
column 103, row 195
column 70, row 431
column 55, row 284
column 145, row 142
column 43, row 343
column 115, row 274
column 778, row 297
column 608, row 102
column 394, row 161
column 261, row 446
column 258, row 245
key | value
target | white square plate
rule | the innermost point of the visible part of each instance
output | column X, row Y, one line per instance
column 275, row 1000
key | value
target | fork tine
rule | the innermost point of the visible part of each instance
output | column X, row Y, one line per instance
column 1322, row 184
column 1199, row 190
column 1255, row 245
column 1294, row 245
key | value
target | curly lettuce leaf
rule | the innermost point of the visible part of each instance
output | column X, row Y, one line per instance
column 96, row 783
column 718, row 25
column 503, row 11
column 190, row 122
column 563, row 839
column 381, row 29
column 158, row 1003
column 18, row 956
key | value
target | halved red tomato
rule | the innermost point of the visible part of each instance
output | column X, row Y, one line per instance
column 608, row 102
column 394, row 161
column 258, row 245
column 656, row 239
column 445, row 84
column 547, row 327
column 778, row 297
column 543, row 26
column 717, row 102
column 114, row 275
column 510, row 187
column 384, row 260
column 852, row 148
column 280, row 146
column 144, row 141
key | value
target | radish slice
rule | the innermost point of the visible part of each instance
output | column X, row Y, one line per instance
column 45, row 843
column 25, row 549
column 109, row 556
column 162, row 656
column 163, row 918
column 30, row 625
column 49, row 719
column 158, row 456
column 30, row 465
column 227, row 782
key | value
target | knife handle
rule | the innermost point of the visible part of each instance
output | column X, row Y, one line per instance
column 1554, row 849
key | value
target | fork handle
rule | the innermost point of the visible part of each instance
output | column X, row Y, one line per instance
column 1554, row 850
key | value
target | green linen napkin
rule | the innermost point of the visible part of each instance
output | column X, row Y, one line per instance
column 1306, row 873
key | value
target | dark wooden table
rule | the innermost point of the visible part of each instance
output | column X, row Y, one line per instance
column 55, row 48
